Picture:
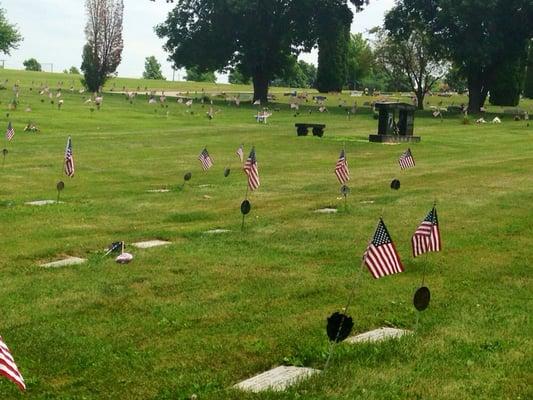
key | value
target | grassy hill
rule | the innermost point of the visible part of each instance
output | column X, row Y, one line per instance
column 209, row 310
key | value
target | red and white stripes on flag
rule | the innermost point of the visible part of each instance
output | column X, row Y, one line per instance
column 8, row 368
column 69, row 159
column 205, row 159
column 240, row 153
column 381, row 256
column 10, row 132
column 406, row 160
column 341, row 169
column 427, row 235
column 250, row 168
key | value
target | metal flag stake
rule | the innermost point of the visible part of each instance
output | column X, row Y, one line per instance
column 4, row 154
column 59, row 186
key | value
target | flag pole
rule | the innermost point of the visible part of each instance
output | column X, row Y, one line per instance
column 344, row 314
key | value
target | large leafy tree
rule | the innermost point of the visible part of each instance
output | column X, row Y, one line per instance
column 359, row 62
column 197, row 75
column 478, row 36
column 103, row 52
column 31, row 64
column 412, row 58
column 505, row 90
column 10, row 37
column 297, row 75
column 528, row 84
column 152, row 69
column 257, row 36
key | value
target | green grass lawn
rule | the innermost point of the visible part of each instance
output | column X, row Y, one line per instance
column 208, row 311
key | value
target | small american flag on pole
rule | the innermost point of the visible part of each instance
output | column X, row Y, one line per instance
column 406, row 160
column 205, row 159
column 250, row 167
column 240, row 153
column 8, row 368
column 381, row 256
column 10, row 132
column 69, row 159
column 427, row 235
column 341, row 169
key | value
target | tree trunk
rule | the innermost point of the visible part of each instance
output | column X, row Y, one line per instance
column 420, row 95
column 476, row 94
column 260, row 87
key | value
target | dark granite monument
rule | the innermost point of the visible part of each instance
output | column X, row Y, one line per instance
column 390, row 131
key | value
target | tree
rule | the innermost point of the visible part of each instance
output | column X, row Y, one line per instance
column 257, row 36
column 237, row 77
column 299, row 74
column 334, row 19
column 73, row 70
column 478, row 36
column 197, row 75
column 359, row 60
column 31, row 64
column 528, row 84
column 506, row 87
column 10, row 37
column 152, row 69
column 412, row 58
column 103, row 51
column 455, row 80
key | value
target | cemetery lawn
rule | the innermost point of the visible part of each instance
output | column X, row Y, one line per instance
column 210, row 310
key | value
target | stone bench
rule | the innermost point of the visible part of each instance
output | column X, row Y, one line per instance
column 318, row 129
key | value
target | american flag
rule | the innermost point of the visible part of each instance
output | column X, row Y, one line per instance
column 240, row 153
column 341, row 169
column 8, row 368
column 250, row 167
column 69, row 159
column 427, row 235
column 205, row 159
column 406, row 160
column 381, row 256
column 10, row 132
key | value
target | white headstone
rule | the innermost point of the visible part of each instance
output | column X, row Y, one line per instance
column 150, row 243
column 277, row 379
column 64, row 263
column 378, row 335
column 41, row 202
column 326, row 210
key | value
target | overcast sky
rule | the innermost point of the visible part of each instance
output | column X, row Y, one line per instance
column 53, row 32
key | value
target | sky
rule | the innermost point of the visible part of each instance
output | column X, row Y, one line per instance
column 53, row 33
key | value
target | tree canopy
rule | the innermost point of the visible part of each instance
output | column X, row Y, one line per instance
column 258, row 36
column 359, row 60
column 476, row 35
column 10, row 37
column 152, row 69
column 103, row 52
column 31, row 64
column 197, row 75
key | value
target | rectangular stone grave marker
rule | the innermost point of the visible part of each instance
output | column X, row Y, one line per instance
column 41, row 202
column 326, row 211
column 158, row 191
column 215, row 231
column 378, row 335
column 150, row 243
column 277, row 379
column 64, row 263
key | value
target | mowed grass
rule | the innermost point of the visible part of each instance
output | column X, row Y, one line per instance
column 207, row 311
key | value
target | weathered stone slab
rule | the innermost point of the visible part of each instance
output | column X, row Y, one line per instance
column 367, row 202
column 215, row 231
column 150, row 243
column 378, row 335
column 326, row 211
column 277, row 379
column 41, row 202
column 64, row 263
column 158, row 191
